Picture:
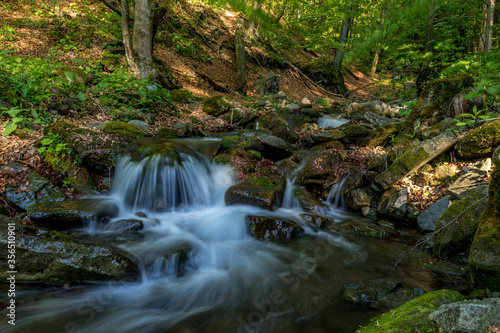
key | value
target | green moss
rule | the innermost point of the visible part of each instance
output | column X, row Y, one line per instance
column 166, row 133
column 413, row 315
column 180, row 96
column 55, row 235
column 230, row 141
column 75, row 176
column 123, row 129
column 482, row 141
column 223, row 159
column 265, row 183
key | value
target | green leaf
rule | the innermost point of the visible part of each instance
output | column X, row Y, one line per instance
column 9, row 129
column 493, row 90
column 46, row 141
column 472, row 94
column 82, row 96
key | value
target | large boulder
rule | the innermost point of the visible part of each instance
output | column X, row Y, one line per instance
column 258, row 191
column 28, row 187
column 466, row 316
column 392, row 203
column 268, row 84
column 434, row 104
column 413, row 315
column 428, row 218
column 264, row 227
column 481, row 142
column 275, row 148
column 124, row 129
column 216, row 106
column 48, row 256
column 458, row 224
column 71, row 213
column 467, row 182
column 414, row 159
column 376, row 107
column 485, row 250
column 319, row 167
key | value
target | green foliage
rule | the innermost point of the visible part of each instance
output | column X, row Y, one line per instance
column 52, row 143
column 183, row 45
column 471, row 119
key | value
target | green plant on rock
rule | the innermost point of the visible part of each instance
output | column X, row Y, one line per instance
column 471, row 119
column 19, row 118
column 52, row 143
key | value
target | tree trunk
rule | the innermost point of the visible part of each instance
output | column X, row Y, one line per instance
column 344, row 32
column 254, row 23
column 429, row 45
column 143, row 37
column 485, row 42
column 239, row 43
column 126, row 37
column 383, row 12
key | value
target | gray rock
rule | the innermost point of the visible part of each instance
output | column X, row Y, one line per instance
column 327, row 135
column 393, row 203
column 461, row 219
column 49, row 256
column 466, row 183
column 292, row 106
column 360, row 292
column 377, row 107
column 98, row 125
column 269, row 84
column 428, row 218
column 125, row 225
column 71, row 213
column 377, row 119
column 184, row 129
column 142, row 125
column 414, row 159
column 275, row 148
column 263, row 227
column 305, row 103
column 359, row 198
column 37, row 189
column 150, row 118
column 467, row 316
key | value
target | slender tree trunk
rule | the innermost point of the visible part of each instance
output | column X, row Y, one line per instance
column 383, row 12
column 239, row 43
column 429, row 45
column 281, row 13
column 485, row 42
column 254, row 23
column 344, row 32
column 143, row 37
column 126, row 37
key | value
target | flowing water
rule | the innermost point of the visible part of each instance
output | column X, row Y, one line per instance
column 328, row 121
column 222, row 279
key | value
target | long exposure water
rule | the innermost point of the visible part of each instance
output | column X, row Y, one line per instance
column 201, row 270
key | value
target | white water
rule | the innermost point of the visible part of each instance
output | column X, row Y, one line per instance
column 327, row 121
column 231, row 282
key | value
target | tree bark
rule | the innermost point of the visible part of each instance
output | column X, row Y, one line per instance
column 383, row 12
column 126, row 37
column 239, row 43
column 431, row 16
column 254, row 23
column 143, row 37
column 344, row 32
column 485, row 43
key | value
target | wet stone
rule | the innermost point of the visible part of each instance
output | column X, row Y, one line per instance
column 272, row 228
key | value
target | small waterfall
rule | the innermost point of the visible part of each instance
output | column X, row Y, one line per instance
column 327, row 121
column 160, row 184
column 335, row 197
column 289, row 199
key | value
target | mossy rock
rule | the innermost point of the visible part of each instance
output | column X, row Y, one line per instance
column 113, row 63
column 51, row 257
column 481, row 142
column 124, row 130
column 356, row 131
column 75, row 175
column 258, row 191
column 381, row 136
column 458, row 236
column 363, row 229
column 413, row 315
column 216, row 106
column 319, row 167
column 166, row 133
column 434, row 104
column 180, row 96
column 442, row 268
column 230, row 141
column 485, row 250
column 272, row 228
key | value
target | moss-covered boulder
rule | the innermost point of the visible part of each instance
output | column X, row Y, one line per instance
column 180, row 96
column 413, row 315
column 356, row 131
column 481, row 142
column 485, row 250
column 166, row 133
column 216, row 106
column 258, row 191
column 459, row 223
column 382, row 135
column 51, row 257
column 319, row 167
column 434, row 104
column 435, row 130
column 123, row 129
column 75, row 175
column 34, row 187
column 272, row 228
column 71, row 213
column 414, row 159
column 327, row 135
